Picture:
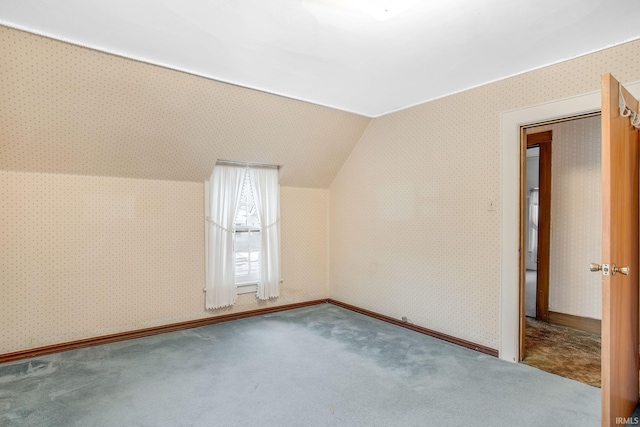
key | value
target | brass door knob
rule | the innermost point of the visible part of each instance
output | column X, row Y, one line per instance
column 622, row 270
column 605, row 268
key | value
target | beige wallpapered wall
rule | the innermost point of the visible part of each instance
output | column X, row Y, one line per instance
column 410, row 227
column 83, row 255
column 411, row 233
column 68, row 109
column 576, row 217
column 87, row 256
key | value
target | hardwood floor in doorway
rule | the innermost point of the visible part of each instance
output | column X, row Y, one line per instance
column 563, row 351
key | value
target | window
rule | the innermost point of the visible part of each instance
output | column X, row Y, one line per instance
column 246, row 238
column 242, row 233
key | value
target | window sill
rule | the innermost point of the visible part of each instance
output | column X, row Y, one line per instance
column 247, row 288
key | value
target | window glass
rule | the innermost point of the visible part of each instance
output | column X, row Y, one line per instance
column 246, row 247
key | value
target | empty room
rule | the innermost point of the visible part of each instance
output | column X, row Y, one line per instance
column 310, row 212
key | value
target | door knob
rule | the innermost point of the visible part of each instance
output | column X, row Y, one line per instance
column 605, row 268
column 622, row 270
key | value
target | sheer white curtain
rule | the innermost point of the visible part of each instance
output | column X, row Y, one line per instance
column 264, row 183
column 225, row 189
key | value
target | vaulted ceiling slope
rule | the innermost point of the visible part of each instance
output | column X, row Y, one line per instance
column 72, row 110
column 365, row 56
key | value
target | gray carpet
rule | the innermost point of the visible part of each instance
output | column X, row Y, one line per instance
column 314, row 366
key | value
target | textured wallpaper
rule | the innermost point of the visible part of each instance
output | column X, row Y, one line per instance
column 88, row 256
column 411, row 230
column 576, row 217
column 73, row 110
column 410, row 227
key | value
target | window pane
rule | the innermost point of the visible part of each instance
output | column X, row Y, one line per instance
column 247, row 237
column 247, row 215
column 253, row 240
column 242, row 265
column 241, row 243
column 241, row 216
column 247, row 256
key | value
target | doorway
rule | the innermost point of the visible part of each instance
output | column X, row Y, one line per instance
column 561, row 300
column 512, row 124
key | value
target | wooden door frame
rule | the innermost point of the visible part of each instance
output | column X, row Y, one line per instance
column 544, row 141
column 511, row 124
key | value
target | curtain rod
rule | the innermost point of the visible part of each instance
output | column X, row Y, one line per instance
column 247, row 164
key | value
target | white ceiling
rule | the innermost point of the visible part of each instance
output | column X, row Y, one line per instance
column 335, row 52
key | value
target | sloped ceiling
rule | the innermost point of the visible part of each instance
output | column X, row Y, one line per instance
column 72, row 110
column 354, row 55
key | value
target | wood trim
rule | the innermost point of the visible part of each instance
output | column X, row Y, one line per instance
column 565, row 119
column 535, row 139
column 522, row 229
column 585, row 324
column 522, row 278
column 543, row 140
column 416, row 328
column 139, row 333
column 544, row 233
